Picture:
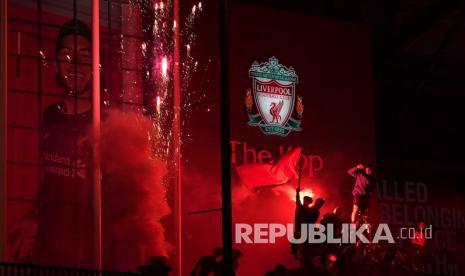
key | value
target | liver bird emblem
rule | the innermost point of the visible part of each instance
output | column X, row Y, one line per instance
column 275, row 110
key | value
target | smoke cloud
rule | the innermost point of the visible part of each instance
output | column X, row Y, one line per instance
column 134, row 195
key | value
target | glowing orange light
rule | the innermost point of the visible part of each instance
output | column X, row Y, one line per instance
column 304, row 192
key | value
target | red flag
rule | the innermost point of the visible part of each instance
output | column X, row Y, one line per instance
column 263, row 175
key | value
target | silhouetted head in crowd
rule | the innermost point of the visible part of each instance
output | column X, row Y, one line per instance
column 217, row 252
column 319, row 202
column 307, row 201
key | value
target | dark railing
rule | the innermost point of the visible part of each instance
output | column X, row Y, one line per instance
column 16, row 269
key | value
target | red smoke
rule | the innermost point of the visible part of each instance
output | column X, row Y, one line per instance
column 134, row 196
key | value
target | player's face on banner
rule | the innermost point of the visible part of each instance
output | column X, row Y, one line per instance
column 74, row 64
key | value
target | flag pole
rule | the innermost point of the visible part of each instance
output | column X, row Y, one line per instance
column 300, row 170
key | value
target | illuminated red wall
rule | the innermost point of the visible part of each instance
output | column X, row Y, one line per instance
column 333, row 62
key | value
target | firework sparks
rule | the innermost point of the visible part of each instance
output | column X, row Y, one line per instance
column 190, row 65
column 157, row 51
column 164, row 67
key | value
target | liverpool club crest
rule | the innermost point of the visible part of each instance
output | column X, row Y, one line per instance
column 274, row 95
